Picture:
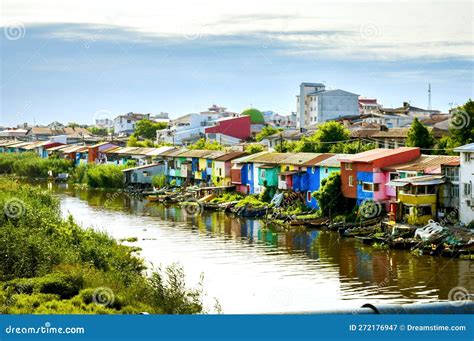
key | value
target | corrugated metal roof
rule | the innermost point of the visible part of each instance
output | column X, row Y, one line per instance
column 375, row 154
column 230, row 156
column 466, row 148
column 424, row 162
column 249, row 158
column 64, row 146
column 215, row 155
column 99, row 144
column 176, row 152
column 160, row 150
column 19, row 144
column 196, row 153
column 332, row 161
column 74, row 149
column 35, row 144
column 141, row 167
column 418, row 180
column 271, row 158
column 6, row 143
column 141, row 151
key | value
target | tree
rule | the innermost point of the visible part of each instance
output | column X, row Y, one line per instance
column 329, row 132
column 203, row 144
column 254, row 148
column 147, row 129
column 267, row 131
column 329, row 196
column 98, row 131
column 419, row 136
column 351, row 147
column 461, row 126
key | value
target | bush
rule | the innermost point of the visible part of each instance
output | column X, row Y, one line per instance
column 158, row 181
column 29, row 164
column 100, row 176
column 52, row 265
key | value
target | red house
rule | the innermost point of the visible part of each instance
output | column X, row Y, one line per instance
column 237, row 127
column 362, row 176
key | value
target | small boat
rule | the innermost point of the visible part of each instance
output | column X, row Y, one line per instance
column 365, row 240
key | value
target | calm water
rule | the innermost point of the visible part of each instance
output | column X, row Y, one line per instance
column 253, row 270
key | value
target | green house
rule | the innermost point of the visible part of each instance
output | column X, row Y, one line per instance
column 268, row 175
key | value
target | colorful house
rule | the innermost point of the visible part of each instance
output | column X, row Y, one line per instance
column 362, row 177
column 266, row 169
column 142, row 176
column 221, row 170
column 242, row 173
column 237, row 127
column 418, row 198
column 427, row 165
column 205, row 166
column 40, row 147
column 96, row 152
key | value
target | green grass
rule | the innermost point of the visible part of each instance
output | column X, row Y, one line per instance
column 51, row 265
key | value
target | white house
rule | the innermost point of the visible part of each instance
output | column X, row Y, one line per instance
column 466, row 179
column 187, row 129
column 125, row 124
column 315, row 104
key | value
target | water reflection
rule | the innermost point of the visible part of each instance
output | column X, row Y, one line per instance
column 248, row 264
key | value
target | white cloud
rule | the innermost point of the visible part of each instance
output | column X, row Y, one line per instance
column 369, row 29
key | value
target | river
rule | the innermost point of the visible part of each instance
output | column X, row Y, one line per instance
column 249, row 269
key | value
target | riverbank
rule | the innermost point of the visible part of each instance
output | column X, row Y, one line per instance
column 255, row 268
column 52, row 265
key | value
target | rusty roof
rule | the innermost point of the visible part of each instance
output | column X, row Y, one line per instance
column 425, row 162
column 230, row 156
column 249, row 158
column 374, row 154
column 270, row 158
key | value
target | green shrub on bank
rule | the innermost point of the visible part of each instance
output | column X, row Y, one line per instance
column 30, row 164
column 251, row 201
column 100, row 176
column 50, row 265
column 227, row 197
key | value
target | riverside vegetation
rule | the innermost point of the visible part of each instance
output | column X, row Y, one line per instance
column 31, row 165
column 51, row 265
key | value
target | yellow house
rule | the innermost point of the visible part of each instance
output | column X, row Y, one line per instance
column 418, row 198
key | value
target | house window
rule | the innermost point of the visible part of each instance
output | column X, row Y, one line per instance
column 348, row 166
column 262, row 173
column 326, row 170
column 308, row 196
column 452, row 173
column 314, row 169
column 220, row 171
column 455, row 191
column 394, row 176
column 128, row 121
column 367, row 187
column 467, row 157
column 467, row 189
column 423, row 210
column 351, row 180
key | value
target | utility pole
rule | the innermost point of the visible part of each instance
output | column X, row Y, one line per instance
column 429, row 96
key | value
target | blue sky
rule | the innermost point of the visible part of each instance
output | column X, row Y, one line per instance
column 66, row 61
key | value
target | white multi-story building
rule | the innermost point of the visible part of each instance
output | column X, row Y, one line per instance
column 125, row 124
column 315, row 104
column 466, row 179
column 187, row 129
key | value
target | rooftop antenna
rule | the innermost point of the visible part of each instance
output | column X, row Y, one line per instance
column 429, row 96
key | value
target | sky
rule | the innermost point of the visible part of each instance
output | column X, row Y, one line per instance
column 74, row 61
